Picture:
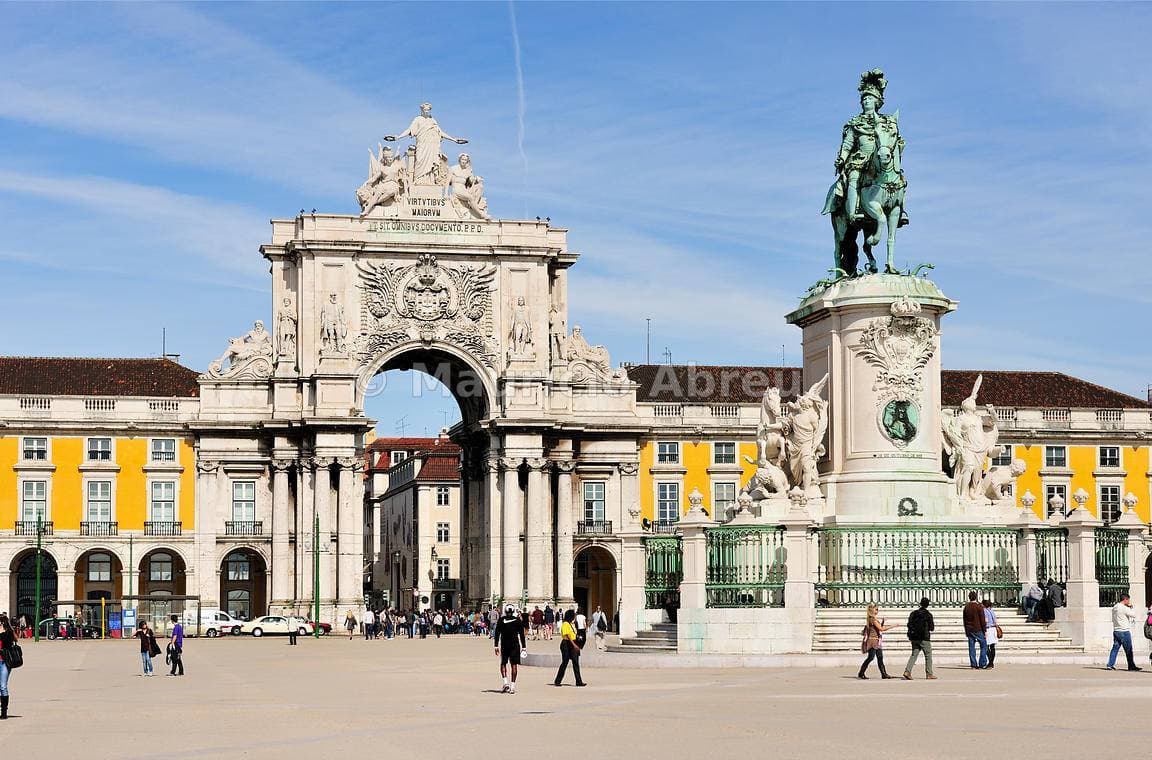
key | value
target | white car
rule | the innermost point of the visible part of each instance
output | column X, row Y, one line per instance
column 272, row 625
column 213, row 623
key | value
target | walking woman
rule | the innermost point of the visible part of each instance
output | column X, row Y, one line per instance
column 873, row 643
column 350, row 623
column 991, row 631
column 7, row 645
column 148, row 646
column 569, row 650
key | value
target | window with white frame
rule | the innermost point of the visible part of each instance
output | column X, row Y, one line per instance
column 1004, row 458
column 100, row 567
column 99, row 449
column 1109, row 504
column 99, row 506
column 1051, row 491
column 593, row 500
column 243, row 500
column 723, row 498
column 35, row 449
column 667, row 502
column 396, row 457
column 442, row 496
column 724, row 452
column 160, row 567
column 163, row 450
column 1109, row 456
column 162, row 505
column 442, row 533
column 668, row 452
column 443, row 569
column 1055, row 456
column 34, row 500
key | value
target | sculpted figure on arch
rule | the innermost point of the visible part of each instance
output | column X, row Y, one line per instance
column 385, row 183
column 429, row 164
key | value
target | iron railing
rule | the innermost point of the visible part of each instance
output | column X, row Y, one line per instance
column 163, row 528
column 663, row 571
column 664, row 526
column 894, row 566
column 1052, row 555
column 747, row 566
column 99, row 528
column 594, row 528
column 244, row 528
column 1111, row 564
column 28, row 527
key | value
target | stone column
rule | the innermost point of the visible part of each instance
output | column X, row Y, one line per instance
column 564, row 526
column 281, row 565
column 513, row 508
column 536, row 540
column 632, row 571
column 1082, row 618
column 204, row 542
column 800, row 585
column 629, row 495
column 300, row 524
column 6, row 589
column 694, row 548
column 322, row 504
column 349, row 533
column 1026, row 559
column 1136, row 553
column 493, row 573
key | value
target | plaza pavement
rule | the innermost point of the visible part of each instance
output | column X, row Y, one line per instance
column 260, row 698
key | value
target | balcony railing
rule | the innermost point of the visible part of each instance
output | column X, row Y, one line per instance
column 98, row 528
column 446, row 584
column 28, row 527
column 165, row 528
column 664, row 526
column 244, row 528
column 594, row 528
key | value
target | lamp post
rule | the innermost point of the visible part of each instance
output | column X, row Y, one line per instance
column 432, row 573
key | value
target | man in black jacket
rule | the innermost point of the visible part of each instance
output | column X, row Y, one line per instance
column 920, row 627
column 510, row 643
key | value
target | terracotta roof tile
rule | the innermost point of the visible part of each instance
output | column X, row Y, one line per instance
column 1033, row 389
column 711, row 384
column 63, row 376
column 440, row 467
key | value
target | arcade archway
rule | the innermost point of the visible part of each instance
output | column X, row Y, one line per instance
column 243, row 579
column 594, row 581
column 24, row 584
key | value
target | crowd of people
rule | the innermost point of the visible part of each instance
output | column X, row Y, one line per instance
column 539, row 624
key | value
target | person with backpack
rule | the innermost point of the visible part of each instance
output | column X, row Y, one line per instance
column 10, row 659
column 599, row 627
column 920, row 627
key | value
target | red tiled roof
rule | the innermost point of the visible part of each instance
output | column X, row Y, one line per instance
column 663, row 383
column 380, row 449
column 440, row 467
column 62, row 376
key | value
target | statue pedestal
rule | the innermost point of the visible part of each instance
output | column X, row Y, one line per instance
column 877, row 337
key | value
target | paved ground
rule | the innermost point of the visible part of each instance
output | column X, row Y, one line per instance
column 328, row 698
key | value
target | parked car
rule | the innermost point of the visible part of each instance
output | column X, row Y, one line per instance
column 56, row 628
column 325, row 628
column 272, row 625
column 213, row 623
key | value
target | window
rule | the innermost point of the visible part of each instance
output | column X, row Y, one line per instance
column 160, row 567
column 239, row 604
column 724, row 452
column 1051, row 491
column 1109, row 504
column 163, row 504
column 442, row 496
column 1055, row 456
column 723, row 499
column 100, row 567
column 35, row 449
column 594, row 500
column 442, row 532
column 99, row 449
column 1004, row 458
column 1109, row 456
column 443, row 569
column 668, row 452
column 99, row 507
column 243, row 500
column 237, row 566
column 667, row 502
column 396, row 457
column 163, row 449
column 34, row 500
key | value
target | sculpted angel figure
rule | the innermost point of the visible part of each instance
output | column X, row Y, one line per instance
column 428, row 135
column 770, row 450
column 385, row 181
column 467, row 188
column 969, row 437
column 804, row 435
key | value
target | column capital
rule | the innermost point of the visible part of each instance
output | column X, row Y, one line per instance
column 629, row 468
column 537, row 464
column 282, row 465
column 491, row 464
column 319, row 463
column 350, row 463
column 510, row 463
column 207, row 465
column 564, row 466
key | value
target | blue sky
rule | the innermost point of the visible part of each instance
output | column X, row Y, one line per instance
column 688, row 148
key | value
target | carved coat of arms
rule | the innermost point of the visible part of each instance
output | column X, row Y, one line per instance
column 427, row 301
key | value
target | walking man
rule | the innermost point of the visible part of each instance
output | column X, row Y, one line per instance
column 599, row 627
column 1122, row 619
column 920, row 627
column 509, row 637
column 369, row 623
column 177, row 655
column 974, row 626
column 581, row 628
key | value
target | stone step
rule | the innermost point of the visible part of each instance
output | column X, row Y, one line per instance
column 622, row 649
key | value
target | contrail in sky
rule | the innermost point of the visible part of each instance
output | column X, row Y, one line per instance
column 519, row 102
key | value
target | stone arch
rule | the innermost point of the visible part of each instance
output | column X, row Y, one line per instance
column 96, row 579
column 595, row 581
column 163, row 571
column 470, row 383
column 22, row 591
column 243, row 582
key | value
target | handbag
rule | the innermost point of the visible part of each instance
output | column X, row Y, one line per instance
column 999, row 632
column 13, row 656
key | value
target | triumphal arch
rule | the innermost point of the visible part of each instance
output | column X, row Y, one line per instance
column 420, row 278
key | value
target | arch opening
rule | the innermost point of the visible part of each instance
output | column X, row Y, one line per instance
column 594, row 581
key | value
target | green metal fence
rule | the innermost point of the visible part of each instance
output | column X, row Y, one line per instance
column 663, row 571
column 1052, row 555
column 1111, row 564
column 894, row 566
column 746, row 566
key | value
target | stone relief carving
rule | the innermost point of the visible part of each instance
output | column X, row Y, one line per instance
column 899, row 347
column 467, row 189
column 249, row 357
column 520, row 336
column 286, row 332
column 333, row 328
column 969, row 438
column 427, row 301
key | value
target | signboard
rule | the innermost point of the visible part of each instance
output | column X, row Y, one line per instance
column 129, row 619
column 114, row 621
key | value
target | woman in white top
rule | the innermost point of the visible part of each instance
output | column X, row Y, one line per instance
column 991, row 632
